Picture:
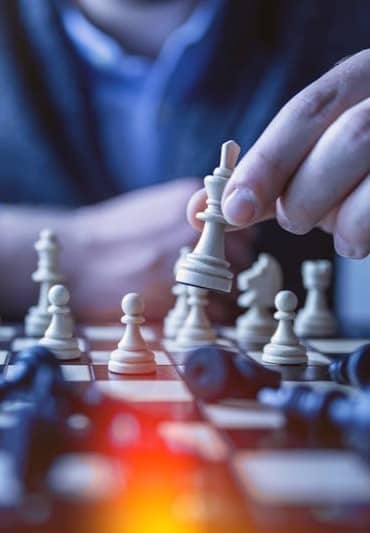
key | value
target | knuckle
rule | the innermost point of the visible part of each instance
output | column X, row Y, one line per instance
column 316, row 101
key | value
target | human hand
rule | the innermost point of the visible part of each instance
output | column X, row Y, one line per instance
column 128, row 244
column 238, row 251
column 311, row 166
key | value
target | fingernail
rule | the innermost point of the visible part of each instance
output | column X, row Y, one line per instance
column 240, row 207
column 346, row 249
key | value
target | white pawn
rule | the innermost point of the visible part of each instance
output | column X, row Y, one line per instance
column 197, row 329
column 284, row 347
column 132, row 355
column 316, row 319
column 206, row 265
column 59, row 337
column 47, row 274
column 177, row 315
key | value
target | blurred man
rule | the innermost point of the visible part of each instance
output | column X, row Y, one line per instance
column 127, row 99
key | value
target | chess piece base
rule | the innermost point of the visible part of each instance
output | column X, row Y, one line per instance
column 204, row 281
column 206, row 272
column 284, row 354
column 126, row 362
column 63, row 349
column 321, row 325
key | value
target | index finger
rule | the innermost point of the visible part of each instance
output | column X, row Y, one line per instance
column 264, row 172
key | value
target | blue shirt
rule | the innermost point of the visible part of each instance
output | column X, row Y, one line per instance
column 128, row 92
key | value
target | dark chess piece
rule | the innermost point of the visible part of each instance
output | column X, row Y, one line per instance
column 302, row 405
column 325, row 413
column 39, row 433
column 354, row 369
column 31, row 367
column 214, row 374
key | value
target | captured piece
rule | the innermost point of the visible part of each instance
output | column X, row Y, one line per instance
column 197, row 329
column 59, row 336
column 176, row 317
column 354, row 369
column 47, row 274
column 132, row 355
column 214, row 374
column 260, row 284
column 206, row 266
column 284, row 347
column 315, row 319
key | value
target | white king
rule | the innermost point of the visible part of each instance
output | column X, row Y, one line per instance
column 206, row 266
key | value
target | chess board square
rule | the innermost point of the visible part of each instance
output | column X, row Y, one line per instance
column 22, row 343
column 243, row 414
column 163, row 373
column 101, row 357
column 293, row 477
column 75, row 372
column 85, row 476
column 195, row 437
column 3, row 356
column 337, row 346
column 70, row 372
column 314, row 358
column 140, row 390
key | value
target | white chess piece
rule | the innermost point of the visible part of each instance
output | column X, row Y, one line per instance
column 315, row 319
column 132, row 355
column 206, row 266
column 177, row 315
column 284, row 347
column 197, row 329
column 260, row 284
column 59, row 337
column 47, row 274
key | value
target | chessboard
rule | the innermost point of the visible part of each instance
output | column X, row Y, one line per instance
column 230, row 466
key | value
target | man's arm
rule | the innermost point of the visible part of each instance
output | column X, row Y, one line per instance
column 126, row 244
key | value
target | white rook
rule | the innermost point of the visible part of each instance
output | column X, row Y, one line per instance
column 316, row 319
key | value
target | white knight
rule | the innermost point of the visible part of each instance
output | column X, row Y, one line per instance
column 259, row 285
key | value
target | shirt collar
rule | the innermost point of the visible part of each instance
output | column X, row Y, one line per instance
column 104, row 53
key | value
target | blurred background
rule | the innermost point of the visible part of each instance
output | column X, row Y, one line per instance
column 112, row 112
